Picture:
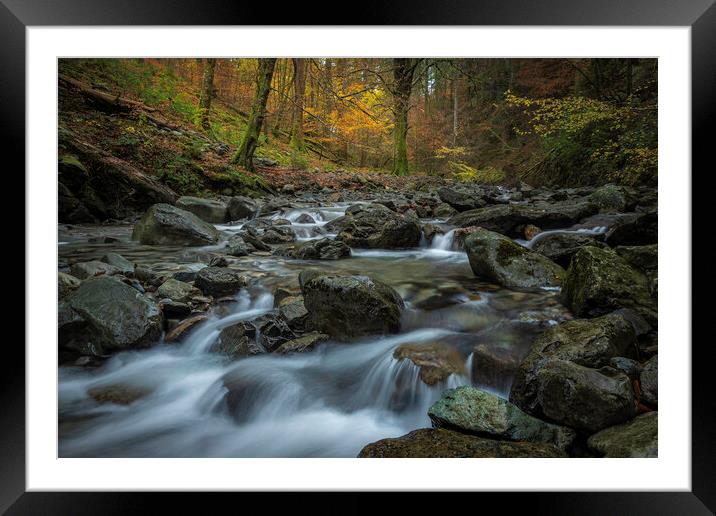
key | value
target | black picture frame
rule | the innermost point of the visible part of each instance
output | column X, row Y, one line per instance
column 700, row 15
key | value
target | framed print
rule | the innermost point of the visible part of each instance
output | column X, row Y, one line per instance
column 418, row 252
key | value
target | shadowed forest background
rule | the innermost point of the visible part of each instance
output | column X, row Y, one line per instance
column 565, row 122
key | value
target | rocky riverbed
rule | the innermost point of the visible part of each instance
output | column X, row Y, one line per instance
column 444, row 320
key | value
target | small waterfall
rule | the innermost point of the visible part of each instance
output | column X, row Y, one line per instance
column 443, row 242
column 599, row 230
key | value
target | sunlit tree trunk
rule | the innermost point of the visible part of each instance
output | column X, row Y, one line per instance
column 207, row 92
column 403, row 70
column 244, row 155
column 299, row 91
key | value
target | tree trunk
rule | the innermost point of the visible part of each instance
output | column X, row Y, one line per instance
column 299, row 90
column 207, row 92
column 403, row 70
column 244, row 155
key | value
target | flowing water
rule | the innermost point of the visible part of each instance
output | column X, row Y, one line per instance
column 330, row 402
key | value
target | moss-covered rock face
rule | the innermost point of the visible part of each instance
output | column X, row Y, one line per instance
column 587, row 342
column 208, row 210
column 350, row 306
column 510, row 219
column 613, row 198
column 114, row 316
column 474, row 411
column 494, row 257
column 436, row 360
column 163, row 224
column 636, row 439
column 560, row 247
column 642, row 257
column 584, row 398
column 377, row 227
column 599, row 281
column 441, row 443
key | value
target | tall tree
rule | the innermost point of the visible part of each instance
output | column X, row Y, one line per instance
column 299, row 91
column 244, row 155
column 207, row 92
column 403, row 71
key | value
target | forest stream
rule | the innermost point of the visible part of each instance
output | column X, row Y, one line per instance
column 330, row 402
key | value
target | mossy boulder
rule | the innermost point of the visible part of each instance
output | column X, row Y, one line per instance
column 474, row 411
column 323, row 249
column 494, row 257
column 164, row 224
column 377, row 227
column 345, row 307
column 441, row 443
column 642, row 257
column 510, row 219
column 219, row 281
column 638, row 438
column 560, row 247
column 178, row 291
column 111, row 315
column 613, row 198
column 584, row 398
column 208, row 210
column 587, row 342
column 436, row 360
column 66, row 285
column 599, row 281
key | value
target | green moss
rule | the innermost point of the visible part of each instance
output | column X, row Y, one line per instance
column 507, row 251
column 70, row 161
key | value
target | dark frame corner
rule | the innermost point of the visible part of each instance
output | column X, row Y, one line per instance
column 700, row 15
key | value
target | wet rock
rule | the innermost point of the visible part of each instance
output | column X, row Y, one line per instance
column 323, row 249
column 588, row 342
column 350, row 306
column 460, row 200
column 560, row 247
column 510, row 219
column 599, row 281
column 218, row 261
column 584, row 398
column 441, row 443
column 301, row 344
column 436, row 360
column 611, row 198
column 278, row 235
column 118, row 394
column 254, row 241
column 430, row 230
column 174, row 308
column 120, row 262
column 636, row 439
column 638, row 229
column 149, row 276
column 628, row 366
column 66, row 285
column 209, row 210
column 238, row 341
column 642, row 257
column 274, row 331
column 493, row 365
column 183, row 327
column 237, row 246
column 305, row 218
column 474, row 411
column 84, row 270
column 375, row 226
column 219, row 281
column 115, row 315
column 184, row 276
column 293, row 311
column 496, row 258
column 444, row 211
column 649, row 382
column 240, row 207
column 164, row 224
column 177, row 291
